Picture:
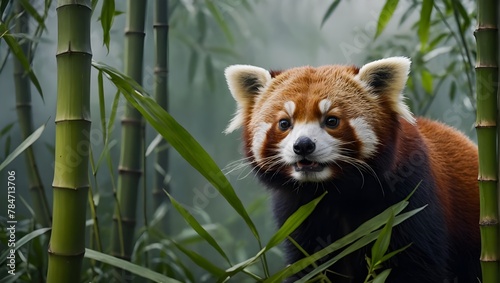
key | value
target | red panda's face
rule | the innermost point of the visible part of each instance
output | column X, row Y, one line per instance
column 308, row 122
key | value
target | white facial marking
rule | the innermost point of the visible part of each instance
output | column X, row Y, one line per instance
column 366, row 135
column 326, row 150
column 290, row 108
column 259, row 138
column 324, row 106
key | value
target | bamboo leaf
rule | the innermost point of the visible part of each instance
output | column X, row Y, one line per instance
column 293, row 222
column 382, row 243
column 463, row 13
column 386, row 15
column 188, row 217
column 33, row 12
column 23, row 146
column 107, row 16
column 130, row 267
column 365, row 240
column 179, row 138
column 8, row 141
column 220, row 20
column 16, row 49
column 6, row 129
column 102, row 105
column 154, row 143
column 329, row 11
column 425, row 22
column 427, row 81
column 3, row 6
column 453, row 90
column 393, row 253
column 209, row 73
column 360, row 237
column 201, row 261
column 21, row 242
column 382, row 276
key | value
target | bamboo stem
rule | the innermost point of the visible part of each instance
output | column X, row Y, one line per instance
column 131, row 154
column 72, row 145
column 160, row 28
column 486, row 124
column 25, row 118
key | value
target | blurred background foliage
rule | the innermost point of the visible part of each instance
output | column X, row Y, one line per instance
column 204, row 38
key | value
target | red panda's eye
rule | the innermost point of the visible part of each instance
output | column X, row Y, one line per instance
column 332, row 122
column 284, row 124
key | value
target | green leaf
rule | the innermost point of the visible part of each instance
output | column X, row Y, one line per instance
column 21, row 242
column 209, row 73
column 179, row 138
column 427, row 81
column 33, row 12
column 130, row 267
column 386, row 15
column 6, row 129
column 293, row 222
column 382, row 243
column 365, row 240
column 188, row 217
column 382, row 276
column 102, row 105
column 8, row 142
column 425, row 22
column 360, row 237
column 3, row 5
column 220, row 20
column 201, row 261
column 463, row 13
column 329, row 11
column 453, row 90
column 107, row 16
column 393, row 253
column 23, row 146
column 16, row 49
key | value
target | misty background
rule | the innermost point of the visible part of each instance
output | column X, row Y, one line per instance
column 274, row 34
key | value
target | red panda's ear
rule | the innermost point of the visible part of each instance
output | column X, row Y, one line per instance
column 387, row 77
column 245, row 83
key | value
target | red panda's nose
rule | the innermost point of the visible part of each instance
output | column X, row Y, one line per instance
column 304, row 146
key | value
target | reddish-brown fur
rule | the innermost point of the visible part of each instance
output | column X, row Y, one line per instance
column 444, row 236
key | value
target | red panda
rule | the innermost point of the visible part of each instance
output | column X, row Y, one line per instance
column 347, row 130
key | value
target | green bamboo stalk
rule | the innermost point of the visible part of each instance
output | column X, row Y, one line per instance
column 132, row 141
column 70, row 185
column 160, row 27
column 25, row 119
column 486, row 124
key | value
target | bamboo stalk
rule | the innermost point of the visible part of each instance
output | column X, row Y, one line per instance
column 486, row 124
column 70, row 185
column 160, row 28
column 25, row 119
column 132, row 141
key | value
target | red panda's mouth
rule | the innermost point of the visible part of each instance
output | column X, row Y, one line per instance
column 306, row 165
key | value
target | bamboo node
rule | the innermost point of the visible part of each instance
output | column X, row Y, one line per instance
column 487, row 179
column 132, row 122
column 135, row 32
column 488, row 221
column 125, row 170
